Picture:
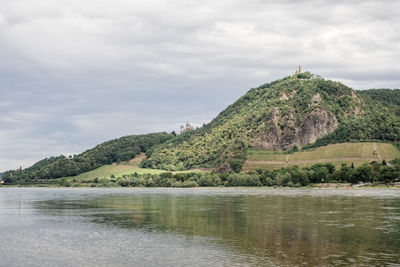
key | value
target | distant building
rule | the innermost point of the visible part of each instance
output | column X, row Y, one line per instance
column 188, row 127
column 182, row 130
column 298, row 71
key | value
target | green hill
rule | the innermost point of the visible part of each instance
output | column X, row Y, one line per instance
column 117, row 150
column 302, row 111
column 299, row 112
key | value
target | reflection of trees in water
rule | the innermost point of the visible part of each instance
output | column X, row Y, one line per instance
column 292, row 230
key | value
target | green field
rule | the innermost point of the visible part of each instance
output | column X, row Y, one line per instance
column 117, row 170
column 357, row 153
column 124, row 168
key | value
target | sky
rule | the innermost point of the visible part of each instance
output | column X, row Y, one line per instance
column 75, row 73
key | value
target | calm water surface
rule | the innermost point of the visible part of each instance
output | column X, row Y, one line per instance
column 199, row 227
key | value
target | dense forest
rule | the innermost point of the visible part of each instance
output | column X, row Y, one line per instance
column 365, row 116
column 117, row 150
column 390, row 98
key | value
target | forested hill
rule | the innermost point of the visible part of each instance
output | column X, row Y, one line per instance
column 120, row 149
column 295, row 112
column 390, row 98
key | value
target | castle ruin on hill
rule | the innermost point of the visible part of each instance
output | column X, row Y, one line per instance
column 187, row 128
column 305, row 75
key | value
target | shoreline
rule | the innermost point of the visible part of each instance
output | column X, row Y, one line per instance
column 395, row 185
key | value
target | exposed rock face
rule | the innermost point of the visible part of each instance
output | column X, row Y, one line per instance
column 315, row 100
column 318, row 123
column 284, row 97
column 281, row 133
column 269, row 139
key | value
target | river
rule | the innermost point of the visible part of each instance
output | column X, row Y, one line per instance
column 199, row 227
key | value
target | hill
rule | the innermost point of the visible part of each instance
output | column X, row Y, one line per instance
column 117, row 150
column 300, row 112
column 297, row 112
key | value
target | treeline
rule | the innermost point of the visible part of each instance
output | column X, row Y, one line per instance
column 377, row 172
column 117, row 150
column 381, row 172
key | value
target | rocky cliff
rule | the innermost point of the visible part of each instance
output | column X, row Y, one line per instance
column 282, row 134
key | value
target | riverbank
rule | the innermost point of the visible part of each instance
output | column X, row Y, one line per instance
column 395, row 185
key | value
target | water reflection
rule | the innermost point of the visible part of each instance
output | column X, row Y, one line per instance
column 284, row 229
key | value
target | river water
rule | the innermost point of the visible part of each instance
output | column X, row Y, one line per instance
column 199, row 227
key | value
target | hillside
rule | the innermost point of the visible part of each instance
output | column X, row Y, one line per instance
column 117, row 150
column 300, row 111
column 387, row 97
column 337, row 154
column 115, row 170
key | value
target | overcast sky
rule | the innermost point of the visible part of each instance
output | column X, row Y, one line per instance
column 75, row 73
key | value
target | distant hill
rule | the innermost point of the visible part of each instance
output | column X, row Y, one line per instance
column 1, row 174
column 117, row 150
column 300, row 111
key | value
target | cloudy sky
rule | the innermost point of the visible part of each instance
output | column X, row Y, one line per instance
column 74, row 73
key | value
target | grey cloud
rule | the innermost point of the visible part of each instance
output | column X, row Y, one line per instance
column 76, row 73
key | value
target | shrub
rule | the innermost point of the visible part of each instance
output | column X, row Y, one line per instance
column 243, row 180
column 236, row 165
column 123, row 182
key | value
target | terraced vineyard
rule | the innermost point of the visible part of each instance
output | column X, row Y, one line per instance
column 357, row 153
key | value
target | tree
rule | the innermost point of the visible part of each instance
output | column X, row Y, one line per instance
column 236, row 165
column 362, row 174
column 346, row 173
column 388, row 174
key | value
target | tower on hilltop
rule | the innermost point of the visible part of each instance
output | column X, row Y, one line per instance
column 298, row 69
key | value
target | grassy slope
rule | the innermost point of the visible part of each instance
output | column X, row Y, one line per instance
column 117, row 169
column 124, row 168
column 357, row 153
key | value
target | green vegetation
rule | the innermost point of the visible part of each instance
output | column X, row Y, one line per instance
column 107, row 171
column 304, row 75
column 236, row 128
column 291, row 176
column 117, row 150
column 387, row 97
column 375, row 173
column 276, row 111
column 337, row 154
